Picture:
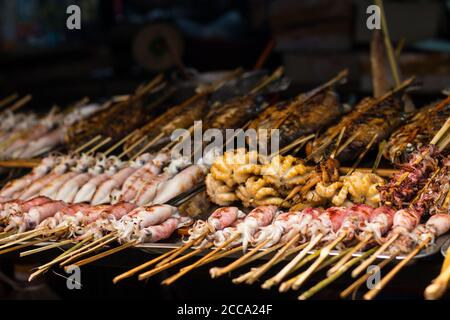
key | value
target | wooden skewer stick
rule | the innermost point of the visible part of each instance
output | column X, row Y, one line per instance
column 439, row 285
column 145, row 88
column 342, row 269
column 338, row 142
column 146, row 265
column 148, row 146
column 246, row 276
column 80, row 247
column 446, row 263
column 104, row 254
column 381, row 148
column 363, row 266
column 347, row 143
column 285, row 286
column 16, row 236
column 24, row 245
column 132, row 147
column 349, row 255
column 293, row 145
column 375, row 291
column 118, row 144
column 88, row 144
column 31, row 236
column 287, row 269
column 323, row 146
column 100, row 145
column 46, row 248
column 355, row 285
column 9, row 99
column 363, row 154
column 61, row 257
column 177, row 276
column 176, row 252
column 218, row 272
column 85, row 252
column 387, row 40
column 441, row 132
column 172, row 263
column 278, row 73
column 264, row 268
column 322, row 256
column 20, row 103
column 255, row 257
column 444, row 143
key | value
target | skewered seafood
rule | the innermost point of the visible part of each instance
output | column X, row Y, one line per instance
column 411, row 178
column 367, row 120
column 306, row 118
column 417, row 132
column 287, row 182
column 127, row 116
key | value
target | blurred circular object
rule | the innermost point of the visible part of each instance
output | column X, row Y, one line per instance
column 158, row 47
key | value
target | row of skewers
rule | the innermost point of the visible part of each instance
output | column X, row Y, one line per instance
column 275, row 182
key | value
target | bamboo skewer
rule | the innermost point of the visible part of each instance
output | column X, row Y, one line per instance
column 177, row 276
column 176, row 252
column 88, row 144
column 441, row 132
column 381, row 148
column 118, row 144
column 363, row 266
column 259, row 272
column 37, row 233
column 80, row 247
column 322, row 256
column 439, row 285
column 132, row 147
column 148, row 145
column 246, row 276
column 291, row 265
column 363, row 154
column 349, row 255
column 85, row 252
column 375, row 291
column 105, row 254
column 278, row 73
column 293, row 145
column 133, row 271
column 342, row 269
column 17, row 236
column 46, row 248
column 61, row 257
column 100, row 145
column 20, row 103
column 338, row 142
column 347, row 143
column 218, row 272
column 24, row 245
column 9, row 99
column 285, row 286
column 355, row 285
column 172, row 263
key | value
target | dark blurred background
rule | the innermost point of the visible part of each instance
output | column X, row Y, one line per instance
column 122, row 43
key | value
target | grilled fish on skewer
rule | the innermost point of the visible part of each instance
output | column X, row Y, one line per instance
column 417, row 132
column 306, row 118
column 363, row 123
